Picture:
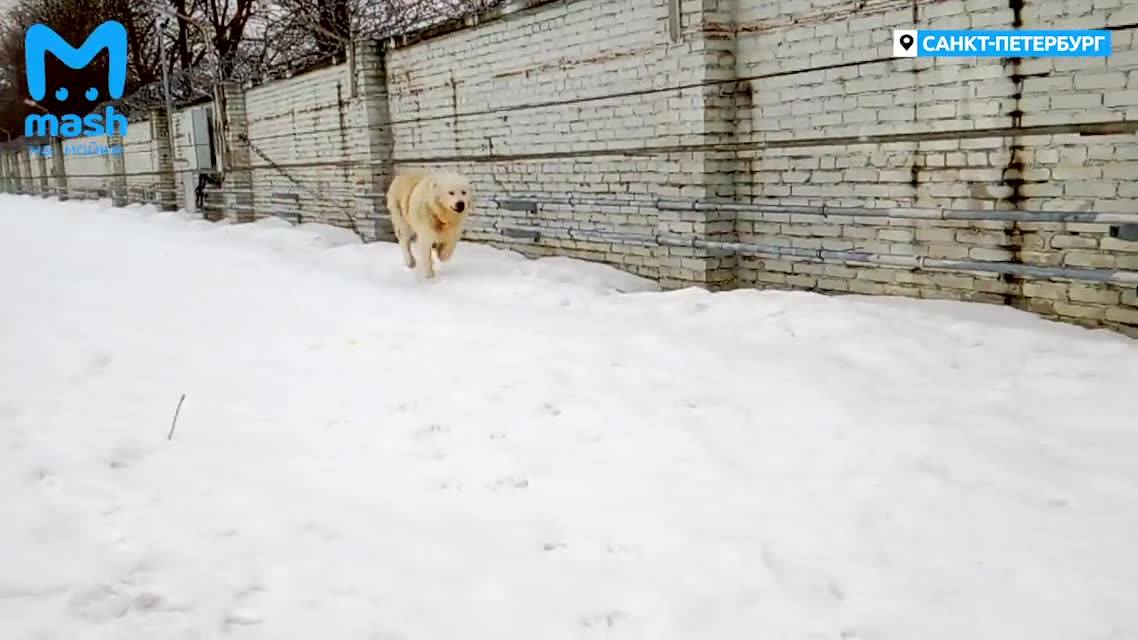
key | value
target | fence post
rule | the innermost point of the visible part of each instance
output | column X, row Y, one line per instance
column 162, row 151
column 235, row 152
column 25, row 156
column 117, row 162
column 11, row 176
column 370, row 133
column 18, row 170
column 41, row 168
column 710, row 120
column 3, row 171
column 59, row 168
column 13, row 172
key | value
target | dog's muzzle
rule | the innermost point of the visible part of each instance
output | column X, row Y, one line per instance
column 459, row 206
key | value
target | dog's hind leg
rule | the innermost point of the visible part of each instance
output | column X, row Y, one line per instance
column 425, row 261
column 403, row 232
column 408, row 258
column 406, row 236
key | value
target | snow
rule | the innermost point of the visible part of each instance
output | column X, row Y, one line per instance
column 528, row 449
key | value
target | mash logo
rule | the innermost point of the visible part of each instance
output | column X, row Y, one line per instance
column 41, row 39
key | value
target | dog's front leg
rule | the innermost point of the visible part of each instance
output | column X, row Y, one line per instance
column 424, row 259
column 447, row 246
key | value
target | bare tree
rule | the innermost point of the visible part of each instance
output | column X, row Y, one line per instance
column 226, row 21
column 181, row 58
column 321, row 29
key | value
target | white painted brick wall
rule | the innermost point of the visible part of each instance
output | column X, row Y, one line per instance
column 140, row 162
column 602, row 47
column 882, row 96
column 86, row 171
column 180, row 146
column 466, row 93
column 302, row 125
column 930, row 101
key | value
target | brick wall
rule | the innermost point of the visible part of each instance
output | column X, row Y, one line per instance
column 455, row 99
column 180, row 148
column 86, row 172
column 139, row 159
column 300, row 125
column 835, row 118
column 758, row 102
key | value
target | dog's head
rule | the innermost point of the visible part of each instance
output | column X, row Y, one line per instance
column 453, row 192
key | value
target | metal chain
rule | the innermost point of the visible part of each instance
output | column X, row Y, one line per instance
column 264, row 156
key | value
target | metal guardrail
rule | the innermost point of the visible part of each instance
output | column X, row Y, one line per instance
column 287, row 205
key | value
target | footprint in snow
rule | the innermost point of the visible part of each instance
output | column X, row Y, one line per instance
column 94, row 366
column 243, row 609
column 602, row 619
column 98, row 603
column 317, row 529
column 147, row 601
column 47, row 478
column 858, row 634
column 509, row 482
column 242, row 617
column 621, row 549
column 124, row 456
column 432, row 430
column 39, row 473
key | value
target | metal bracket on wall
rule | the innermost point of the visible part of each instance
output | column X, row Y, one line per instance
column 529, row 206
column 1128, row 232
column 286, row 206
column 520, row 233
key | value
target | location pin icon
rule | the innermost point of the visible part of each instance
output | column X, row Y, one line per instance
column 906, row 41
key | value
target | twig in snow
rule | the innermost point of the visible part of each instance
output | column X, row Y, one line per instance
column 174, row 422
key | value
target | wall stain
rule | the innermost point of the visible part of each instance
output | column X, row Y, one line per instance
column 918, row 162
column 1014, row 171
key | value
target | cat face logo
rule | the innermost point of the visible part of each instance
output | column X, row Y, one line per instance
column 41, row 39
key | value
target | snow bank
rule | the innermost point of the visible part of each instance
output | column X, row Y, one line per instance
column 534, row 449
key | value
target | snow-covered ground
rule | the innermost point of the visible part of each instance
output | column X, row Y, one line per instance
column 534, row 450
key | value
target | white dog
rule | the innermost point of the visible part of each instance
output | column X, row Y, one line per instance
column 429, row 209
